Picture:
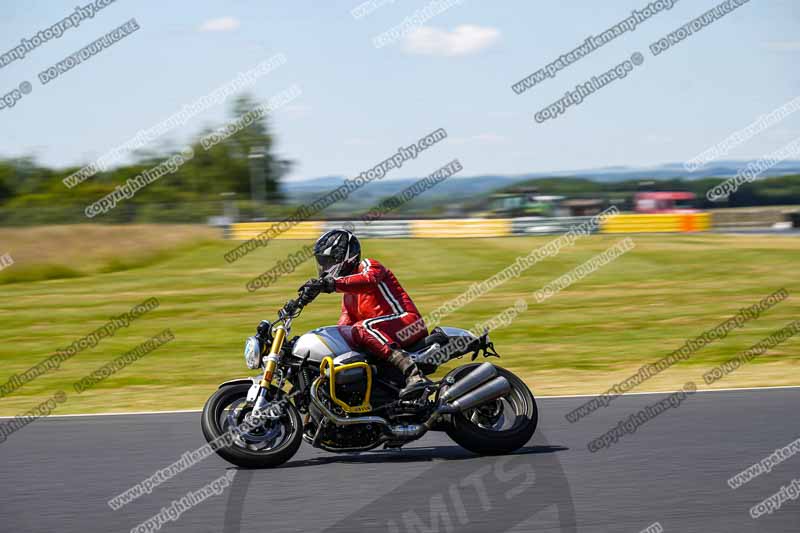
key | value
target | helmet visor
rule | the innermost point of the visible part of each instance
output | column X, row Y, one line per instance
column 327, row 265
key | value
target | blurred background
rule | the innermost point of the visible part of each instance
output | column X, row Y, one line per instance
column 190, row 69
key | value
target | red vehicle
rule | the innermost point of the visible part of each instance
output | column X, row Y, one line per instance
column 664, row 202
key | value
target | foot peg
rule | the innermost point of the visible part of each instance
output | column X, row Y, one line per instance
column 414, row 390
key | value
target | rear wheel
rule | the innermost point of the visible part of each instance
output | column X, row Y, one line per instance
column 270, row 444
column 500, row 426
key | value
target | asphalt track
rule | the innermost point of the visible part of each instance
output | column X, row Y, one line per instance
column 58, row 473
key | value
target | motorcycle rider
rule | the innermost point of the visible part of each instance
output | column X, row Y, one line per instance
column 374, row 303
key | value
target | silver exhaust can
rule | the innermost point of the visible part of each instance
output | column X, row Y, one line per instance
column 487, row 392
column 480, row 375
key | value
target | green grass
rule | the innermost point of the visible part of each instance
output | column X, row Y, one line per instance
column 634, row 310
column 38, row 273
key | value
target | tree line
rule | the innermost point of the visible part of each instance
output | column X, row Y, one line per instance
column 31, row 193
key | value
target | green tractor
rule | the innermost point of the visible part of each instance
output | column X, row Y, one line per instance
column 524, row 203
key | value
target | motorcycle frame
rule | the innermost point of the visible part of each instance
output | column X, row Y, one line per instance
column 281, row 329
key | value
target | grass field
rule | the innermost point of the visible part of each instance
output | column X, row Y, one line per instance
column 59, row 252
column 596, row 332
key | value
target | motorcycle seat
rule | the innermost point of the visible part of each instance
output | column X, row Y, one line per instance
column 438, row 336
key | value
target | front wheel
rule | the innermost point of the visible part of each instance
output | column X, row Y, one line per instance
column 270, row 444
column 500, row 426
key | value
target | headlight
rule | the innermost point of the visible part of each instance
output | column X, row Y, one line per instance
column 252, row 353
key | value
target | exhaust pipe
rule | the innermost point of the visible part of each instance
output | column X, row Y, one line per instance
column 487, row 392
column 338, row 420
column 474, row 389
column 480, row 375
column 400, row 432
column 496, row 388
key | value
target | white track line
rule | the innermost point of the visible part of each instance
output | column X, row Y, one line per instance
column 121, row 414
column 671, row 391
column 537, row 397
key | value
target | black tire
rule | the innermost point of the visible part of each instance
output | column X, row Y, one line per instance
column 240, row 456
column 490, row 442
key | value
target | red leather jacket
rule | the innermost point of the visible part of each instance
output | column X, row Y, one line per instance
column 371, row 292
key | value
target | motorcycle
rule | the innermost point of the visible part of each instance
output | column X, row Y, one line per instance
column 318, row 388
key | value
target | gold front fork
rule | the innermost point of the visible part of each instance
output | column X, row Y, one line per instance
column 273, row 356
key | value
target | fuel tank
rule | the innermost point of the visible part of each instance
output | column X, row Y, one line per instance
column 327, row 341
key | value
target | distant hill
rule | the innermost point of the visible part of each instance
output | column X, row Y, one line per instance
column 454, row 189
column 460, row 189
column 718, row 169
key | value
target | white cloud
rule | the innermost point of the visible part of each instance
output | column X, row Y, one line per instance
column 461, row 41
column 783, row 46
column 220, row 24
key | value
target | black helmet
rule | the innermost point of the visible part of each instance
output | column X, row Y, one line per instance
column 337, row 252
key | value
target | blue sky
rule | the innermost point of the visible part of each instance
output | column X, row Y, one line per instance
column 360, row 103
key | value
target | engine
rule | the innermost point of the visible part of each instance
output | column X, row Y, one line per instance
column 356, row 392
column 352, row 393
column 340, row 437
column 359, row 436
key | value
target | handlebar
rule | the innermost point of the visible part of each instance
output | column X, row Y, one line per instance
column 293, row 307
